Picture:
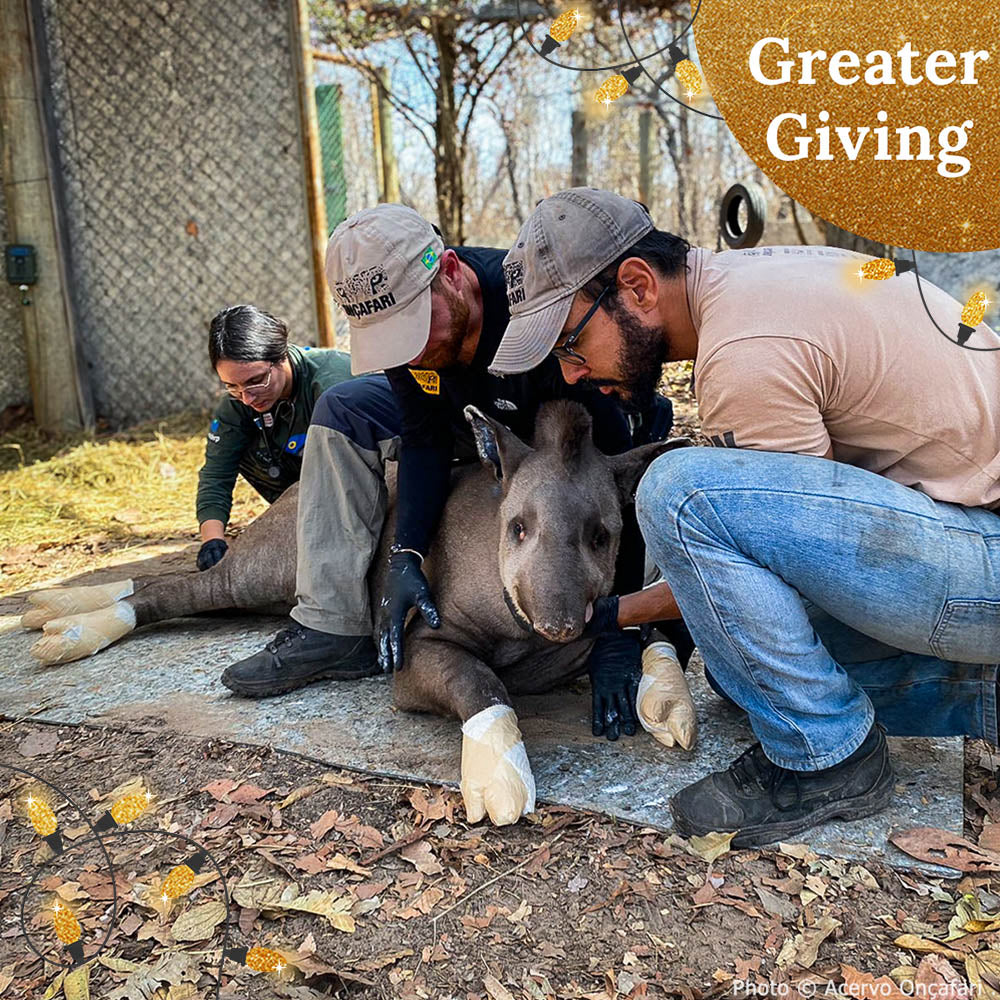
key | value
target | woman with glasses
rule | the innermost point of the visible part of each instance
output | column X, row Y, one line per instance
column 258, row 430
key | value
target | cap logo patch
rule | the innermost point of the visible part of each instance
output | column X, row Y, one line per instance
column 429, row 258
column 513, row 273
column 430, row 382
column 365, row 292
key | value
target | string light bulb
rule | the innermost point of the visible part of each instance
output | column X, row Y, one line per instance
column 617, row 85
column 686, row 71
column 258, row 959
column 972, row 315
column 882, row 268
column 181, row 878
column 68, row 930
column 125, row 810
column 43, row 819
column 560, row 30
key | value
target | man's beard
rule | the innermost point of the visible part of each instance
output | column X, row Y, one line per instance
column 446, row 354
column 641, row 357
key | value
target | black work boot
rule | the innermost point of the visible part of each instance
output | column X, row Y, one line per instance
column 768, row 803
column 297, row 656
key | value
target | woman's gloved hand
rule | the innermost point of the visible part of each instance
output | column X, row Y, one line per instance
column 405, row 587
column 211, row 552
column 615, row 668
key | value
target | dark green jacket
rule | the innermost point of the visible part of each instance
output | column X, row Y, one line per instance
column 270, row 458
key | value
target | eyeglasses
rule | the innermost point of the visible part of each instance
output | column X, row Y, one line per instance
column 564, row 351
column 253, row 388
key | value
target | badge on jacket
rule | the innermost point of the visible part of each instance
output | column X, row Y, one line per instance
column 430, row 382
column 295, row 443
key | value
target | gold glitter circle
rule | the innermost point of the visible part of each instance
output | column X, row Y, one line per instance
column 904, row 203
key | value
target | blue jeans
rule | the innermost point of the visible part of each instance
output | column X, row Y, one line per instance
column 823, row 596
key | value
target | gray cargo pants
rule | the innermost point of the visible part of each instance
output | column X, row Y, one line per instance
column 342, row 503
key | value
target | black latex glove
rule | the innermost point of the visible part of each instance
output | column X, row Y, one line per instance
column 405, row 587
column 604, row 618
column 615, row 668
column 211, row 552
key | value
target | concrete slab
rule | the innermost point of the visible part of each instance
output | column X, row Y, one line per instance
column 169, row 672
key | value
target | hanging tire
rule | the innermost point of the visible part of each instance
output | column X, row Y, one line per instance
column 736, row 236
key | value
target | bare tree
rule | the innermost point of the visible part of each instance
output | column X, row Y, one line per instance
column 457, row 48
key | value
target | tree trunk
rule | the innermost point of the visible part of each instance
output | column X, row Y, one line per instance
column 448, row 165
column 645, row 121
column 386, row 156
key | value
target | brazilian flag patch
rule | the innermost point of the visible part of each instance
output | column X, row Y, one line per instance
column 429, row 258
column 430, row 382
column 295, row 443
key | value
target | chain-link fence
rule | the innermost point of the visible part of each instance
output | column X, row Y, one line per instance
column 179, row 136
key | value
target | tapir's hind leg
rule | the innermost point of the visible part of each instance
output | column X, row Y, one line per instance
column 230, row 583
column 58, row 602
column 447, row 679
column 257, row 572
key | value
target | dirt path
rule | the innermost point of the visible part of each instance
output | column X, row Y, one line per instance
column 417, row 902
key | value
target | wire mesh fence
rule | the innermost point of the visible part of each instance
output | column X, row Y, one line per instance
column 179, row 136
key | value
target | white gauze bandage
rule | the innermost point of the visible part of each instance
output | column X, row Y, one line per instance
column 496, row 775
column 77, row 636
column 664, row 704
column 62, row 601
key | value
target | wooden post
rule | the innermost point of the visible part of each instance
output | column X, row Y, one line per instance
column 645, row 120
column 386, row 148
column 377, row 141
column 313, row 156
column 59, row 390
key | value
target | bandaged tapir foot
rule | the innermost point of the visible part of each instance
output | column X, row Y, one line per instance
column 664, row 704
column 77, row 636
column 62, row 601
column 496, row 775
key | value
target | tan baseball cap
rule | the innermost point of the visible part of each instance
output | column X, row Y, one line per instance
column 570, row 237
column 379, row 264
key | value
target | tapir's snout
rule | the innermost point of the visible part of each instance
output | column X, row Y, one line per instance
column 559, row 631
column 555, row 623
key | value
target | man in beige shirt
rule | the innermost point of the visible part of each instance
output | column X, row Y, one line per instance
column 837, row 556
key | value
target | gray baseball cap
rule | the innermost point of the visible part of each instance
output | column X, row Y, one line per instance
column 379, row 264
column 570, row 237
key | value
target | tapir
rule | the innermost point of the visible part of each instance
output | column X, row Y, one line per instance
column 528, row 540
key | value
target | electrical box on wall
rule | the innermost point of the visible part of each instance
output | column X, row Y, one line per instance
column 21, row 264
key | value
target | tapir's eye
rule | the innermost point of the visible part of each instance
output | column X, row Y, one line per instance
column 600, row 538
column 517, row 530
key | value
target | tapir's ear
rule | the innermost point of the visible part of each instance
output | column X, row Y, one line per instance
column 500, row 449
column 630, row 465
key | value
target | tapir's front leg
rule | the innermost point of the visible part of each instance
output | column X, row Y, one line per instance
column 444, row 678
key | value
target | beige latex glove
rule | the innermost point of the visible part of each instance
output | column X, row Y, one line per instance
column 496, row 775
column 62, row 601
column 77, row 636
column 664, row 703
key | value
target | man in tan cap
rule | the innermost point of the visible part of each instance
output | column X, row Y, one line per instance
column 432, row 317
column 832, row 600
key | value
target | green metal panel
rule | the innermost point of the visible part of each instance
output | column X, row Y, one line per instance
column 332, row 145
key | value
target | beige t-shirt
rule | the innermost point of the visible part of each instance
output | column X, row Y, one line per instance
column 796, row 353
